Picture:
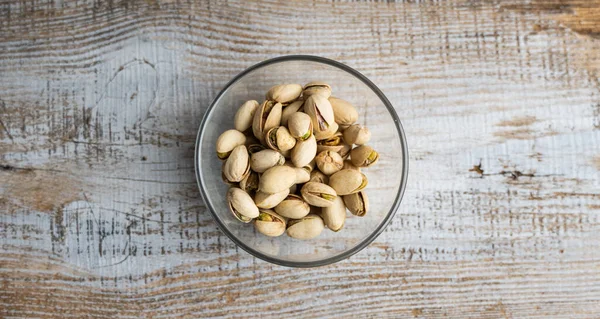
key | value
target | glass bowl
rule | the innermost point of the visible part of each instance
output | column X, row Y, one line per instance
column 387, row 178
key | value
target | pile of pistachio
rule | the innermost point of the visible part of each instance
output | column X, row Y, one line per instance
column 287, row 162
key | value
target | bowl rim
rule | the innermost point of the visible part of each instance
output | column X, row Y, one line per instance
column 382, row 225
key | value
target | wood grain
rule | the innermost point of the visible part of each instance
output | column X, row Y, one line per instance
column 99, row 211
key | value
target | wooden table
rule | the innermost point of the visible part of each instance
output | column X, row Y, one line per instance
column 100, row 103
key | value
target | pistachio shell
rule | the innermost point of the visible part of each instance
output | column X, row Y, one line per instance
column 300, row 126
column 241, row 205
column 304, row 152
column 279, row 139
column 227, row 141
column 265, row 159
column 265, row 200
column 329, row 162
column 318, row 194
column 328, row 133
column 237, row 165
column 277, row 179
column 348, row 165
column 284, row 93
column 335, row 140
column 293, row 207
column 249, row 184
column 348, row 181
column 317, row 87
column 243, row 117
column 320, row 112
column 364, row 156
column 308, row 227
column 345, row 114
column 267, row 116
column 357, row 134
column 334, row 216
column 357, row 203
column 319, row 177
column 269, row 223
column 289, row 110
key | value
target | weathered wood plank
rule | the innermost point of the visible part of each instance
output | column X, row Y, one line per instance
column 100, row 104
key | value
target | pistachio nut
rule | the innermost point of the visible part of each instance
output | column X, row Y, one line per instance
column 348, row 181
column 364, row 156
column 265, row 159
column 328, row 133
column 345, row 114
column 320, row 112
column 334, row 216
column 228, row 141
column 255, row 148
column 345, row 151
column 277, row 179
column 317, row 87
column 243, row 117
column 308, row 227
column 237, row 165
column 318, row 177
column 357, row 134
column 302, row 175
column 228, row 183
column 249, row 184
column 357, row 203
column 335, row 140
column 293, row 207
column 348, row 165
column 284, row 93
column 304, row 152
column 267, row 116
column 318, row 194
column 269, row 223
column 329, row 162
column 265, row 200
column 241, row 205
column 300, row 126
column 289, row 110
column 279, row 139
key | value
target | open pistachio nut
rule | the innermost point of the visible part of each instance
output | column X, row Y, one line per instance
column 317, row 87
column 267, row 116
column 320, row 112
column 284, row 93
column 307, row 227
column 293, row 206
column 265, row 159
column 364, row 156
column 329, row 162
column 289, row 110
column 227, row 141
column 300, row 126
column 237, row 165
column 269, row 223
column 266, row 200
column 279, row 138
column 243, row 117
column 277, row 179
column 357, row 203
column 318, row 194
column 304, row 152
column 348, row 181
column 357, row 134
column 345, row 114
column 241, row 205
column 334, row 216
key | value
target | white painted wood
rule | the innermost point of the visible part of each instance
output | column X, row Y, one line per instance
column 100, row 104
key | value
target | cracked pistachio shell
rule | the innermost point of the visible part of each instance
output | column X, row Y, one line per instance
column 357, row 134
column 293, row 207
column 284, row 93
column 317, row 87
column 265, row 159
column 243, row 117
column 329, row 162
column 241, row 205
column 269, row 223
column 318, row 194
column 345, row 114
column 277, row 179
column 357, row 203
column 304, row 152
column 228, row 141
column 322, row 135
column 335, row 140
column 249, row 184
column 267, row 116
column 265, row 200
column 334, row 216
column 348, row 181
column 308, row 227
column 237, row 165
column 348, row 165
column 320, row 112
column 318, row 177
column 300, row 126
column 279, row 139
column 289, row 110
column 364, row 156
